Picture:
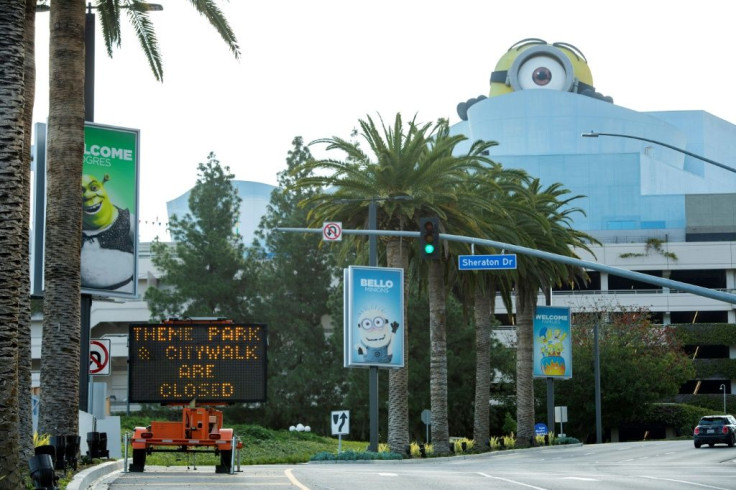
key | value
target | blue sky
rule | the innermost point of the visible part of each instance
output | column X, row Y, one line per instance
column 312, row 69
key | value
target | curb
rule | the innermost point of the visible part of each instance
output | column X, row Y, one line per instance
column 84, row 479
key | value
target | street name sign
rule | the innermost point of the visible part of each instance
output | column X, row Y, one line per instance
column 486, row 262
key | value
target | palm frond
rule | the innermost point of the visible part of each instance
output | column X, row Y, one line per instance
column 144, row 31
column 214, row 15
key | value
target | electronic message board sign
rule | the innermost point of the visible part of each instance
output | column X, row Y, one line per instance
column 206, row 362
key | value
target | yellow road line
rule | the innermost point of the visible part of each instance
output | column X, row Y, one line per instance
column 294, row 481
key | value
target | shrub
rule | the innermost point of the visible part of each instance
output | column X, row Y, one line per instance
column 41, row 439
column 682, row 417
column 458, row 445
column 509, row 424
column 354, row 456
column 565, row 440
column 509, row 441
column 415, row 450
column 539, row 440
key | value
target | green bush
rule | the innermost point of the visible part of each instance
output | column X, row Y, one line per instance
column 683, row 418
column 715, row 368
column 509, row 424
column 354, row 456
column 559, row 441
column 706, row 333
column 712, row 401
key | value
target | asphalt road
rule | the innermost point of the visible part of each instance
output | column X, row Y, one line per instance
column 638, row 465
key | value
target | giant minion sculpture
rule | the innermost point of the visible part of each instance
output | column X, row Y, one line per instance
column 533, row 64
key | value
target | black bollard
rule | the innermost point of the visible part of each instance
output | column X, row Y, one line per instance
column 59, row 443
column 104, row 452
column 42, row 472
column 71, row 452
column 93, row 444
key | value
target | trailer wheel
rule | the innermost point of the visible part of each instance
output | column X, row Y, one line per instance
column 139, row 461
column 225, row 460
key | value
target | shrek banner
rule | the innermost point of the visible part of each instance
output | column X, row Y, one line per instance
column 110, row 210
column 374, row 317
column 552, row 343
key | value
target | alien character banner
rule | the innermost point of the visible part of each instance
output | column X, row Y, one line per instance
column 109, row 206
column 552, row 343
column 374, row 317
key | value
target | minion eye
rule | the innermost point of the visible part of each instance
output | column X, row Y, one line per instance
column 378, row 322
column 366, row 323
column 542, row 67
column 542, row 72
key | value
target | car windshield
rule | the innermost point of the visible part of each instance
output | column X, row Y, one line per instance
column 712, row 422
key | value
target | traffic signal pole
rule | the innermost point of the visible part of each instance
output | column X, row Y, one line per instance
column 636, row 276
column 540, row 254
column 373, row 370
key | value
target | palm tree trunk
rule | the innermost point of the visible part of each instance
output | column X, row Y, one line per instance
column 61, row 308
column 397, row 255
column 438, row 357
column 482, row 314
column 12, row 57
column 24, row 320
column 526, row 299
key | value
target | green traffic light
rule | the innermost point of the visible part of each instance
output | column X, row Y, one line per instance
column 428, row 248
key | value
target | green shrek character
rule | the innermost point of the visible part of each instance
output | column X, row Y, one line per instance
column 108, row 252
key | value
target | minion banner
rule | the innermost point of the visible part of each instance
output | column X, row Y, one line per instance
column 374, row 317
column 552, row 343
column 110, row 210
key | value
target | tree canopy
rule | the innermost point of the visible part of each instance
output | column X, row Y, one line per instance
column 203, row 271
column 640, row 363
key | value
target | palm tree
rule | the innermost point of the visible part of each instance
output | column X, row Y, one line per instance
column 554, row 212
column 65, row 151
column 414, row 161
column 500, row 188
column 459, row 215
column 61, row 324
column 24, row 300
column 12, row 59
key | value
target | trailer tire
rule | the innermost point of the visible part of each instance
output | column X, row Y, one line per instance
column 225, row 460
column 139, row 461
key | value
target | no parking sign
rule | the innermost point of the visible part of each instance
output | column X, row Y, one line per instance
column 99, row 357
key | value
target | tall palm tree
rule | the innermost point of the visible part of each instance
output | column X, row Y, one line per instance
column 400, row 161
column 501, row 188
column 24, row 320
column 65, row 151
column 12, row 58
column 551, row 205
column 61, row 325
column 460, row 216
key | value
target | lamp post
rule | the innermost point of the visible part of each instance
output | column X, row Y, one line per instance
column 372, row 261
column 594, row 134
column 89, row 115
column 723, row 389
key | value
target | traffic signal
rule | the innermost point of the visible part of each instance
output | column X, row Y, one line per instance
column 429, row 238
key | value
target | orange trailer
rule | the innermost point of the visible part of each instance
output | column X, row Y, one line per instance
column 198, row 364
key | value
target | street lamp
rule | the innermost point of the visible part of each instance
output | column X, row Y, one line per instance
column 593, row 134
column 372, row 261
column 723, row 389
column 89, row 57
column 89, row 115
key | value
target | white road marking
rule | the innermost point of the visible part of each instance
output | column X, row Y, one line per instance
column 685, row 482
column 388, row 474
column 511, row 481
